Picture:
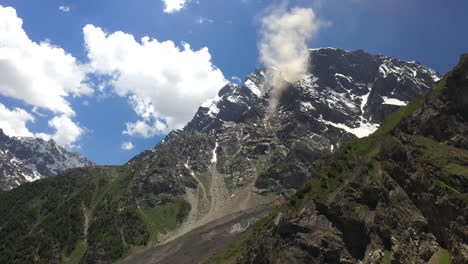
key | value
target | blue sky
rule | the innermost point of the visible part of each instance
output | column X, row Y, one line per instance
column 432, row 32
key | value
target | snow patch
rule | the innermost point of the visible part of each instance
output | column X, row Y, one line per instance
column 308, row 81
column 365, row 99
column 393, row 101
column 212, row 105
column 348, row 78
column 364, row 129
column 307, row 106
column 339, row 101
column 188, row 167
column 383, row 69
column 214, row 159
column 325, row 48
column 253, row 87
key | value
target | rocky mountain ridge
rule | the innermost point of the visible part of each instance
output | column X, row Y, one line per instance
column 397, row 196
column 24, row 159
column 344, row 96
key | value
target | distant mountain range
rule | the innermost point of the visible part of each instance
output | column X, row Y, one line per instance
column 24, row 159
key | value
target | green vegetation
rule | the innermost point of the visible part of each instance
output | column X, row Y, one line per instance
column 387, row 258
column 84, row 214
column 164, row 218
column 455, row 169
column 391, row 122
column 445, row 257
column 77, row 254
column 353, row 157
column 448, row 160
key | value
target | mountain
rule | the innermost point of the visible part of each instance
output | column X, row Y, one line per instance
column 24, row 159
column 227, row 163
column 397, row 196
column 345, row 95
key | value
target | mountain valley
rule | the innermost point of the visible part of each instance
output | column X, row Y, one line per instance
column 346, row 187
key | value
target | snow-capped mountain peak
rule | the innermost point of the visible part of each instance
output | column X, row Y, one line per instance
column 26, row 159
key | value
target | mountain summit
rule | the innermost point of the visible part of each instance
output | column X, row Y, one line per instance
column 24, row 159
column 344, row 96
column 397, row 196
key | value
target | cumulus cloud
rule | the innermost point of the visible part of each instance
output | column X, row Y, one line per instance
column 41, row 75
column 13, row 122
column 127, row 146
column 283, row 45
column 165, row 83
column 66, row 131
column 65, row 9
column 172, row 6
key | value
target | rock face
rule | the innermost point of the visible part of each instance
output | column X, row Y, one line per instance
column 29, row 159
column 344, row 96
column 398, row 196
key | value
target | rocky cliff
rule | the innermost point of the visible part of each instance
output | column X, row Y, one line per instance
column 397, row 196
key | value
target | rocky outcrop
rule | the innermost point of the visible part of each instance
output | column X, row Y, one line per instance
column 345, row 95
column 445, row 116
column 398, row 196
column 25, row 159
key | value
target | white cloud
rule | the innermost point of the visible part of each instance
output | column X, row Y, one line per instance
column 202, row 20
column 165, row 83
column 65, row 9
column 127, row 146
column 67, row 132
column 39, row 74
column 146, row 129
column 174, row 5
column 13, row 122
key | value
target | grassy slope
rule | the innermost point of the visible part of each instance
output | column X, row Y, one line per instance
column 45, row 220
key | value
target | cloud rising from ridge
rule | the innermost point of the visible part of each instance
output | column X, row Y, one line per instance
column 283, row 46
